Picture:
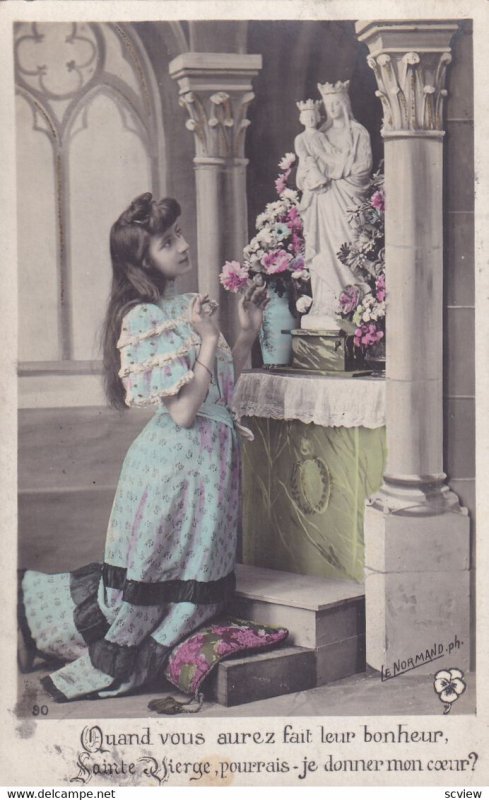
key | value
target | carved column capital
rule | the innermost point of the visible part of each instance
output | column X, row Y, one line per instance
column 410, row 61
column 216, row 90
column 218, row 121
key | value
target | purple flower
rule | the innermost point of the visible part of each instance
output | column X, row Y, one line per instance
column 349, row 300
column 378, row 200
column 296, row 244
column 297, row 263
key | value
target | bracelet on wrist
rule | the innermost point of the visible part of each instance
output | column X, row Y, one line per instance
column 197, row 361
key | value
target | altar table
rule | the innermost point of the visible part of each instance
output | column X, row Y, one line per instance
column 318, row 454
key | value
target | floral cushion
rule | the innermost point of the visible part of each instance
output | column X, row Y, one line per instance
column 192, row 660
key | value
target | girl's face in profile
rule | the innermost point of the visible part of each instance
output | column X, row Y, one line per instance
column 168, row 252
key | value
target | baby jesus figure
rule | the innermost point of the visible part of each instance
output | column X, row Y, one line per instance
column 317, row 163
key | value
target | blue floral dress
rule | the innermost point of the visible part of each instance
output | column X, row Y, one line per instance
column 171, row 539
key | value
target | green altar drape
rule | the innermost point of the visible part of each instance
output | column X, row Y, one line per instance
column 304, row 492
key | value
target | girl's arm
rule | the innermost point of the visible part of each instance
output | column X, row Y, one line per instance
column 183, row 406
column 250, row 312
column 242, row 352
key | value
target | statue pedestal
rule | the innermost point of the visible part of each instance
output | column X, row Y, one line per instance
column 325, row 351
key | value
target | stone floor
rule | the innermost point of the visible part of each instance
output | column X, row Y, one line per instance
column 358, row 695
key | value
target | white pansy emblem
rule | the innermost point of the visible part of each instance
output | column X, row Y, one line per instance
column 449, row 685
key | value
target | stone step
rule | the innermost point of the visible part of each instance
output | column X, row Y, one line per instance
column 256, row 677
column 316, row 611
column 326, row 623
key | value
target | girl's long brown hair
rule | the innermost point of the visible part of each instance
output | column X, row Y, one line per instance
column 134, row 280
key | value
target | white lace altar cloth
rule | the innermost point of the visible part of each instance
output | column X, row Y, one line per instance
column 324, row 400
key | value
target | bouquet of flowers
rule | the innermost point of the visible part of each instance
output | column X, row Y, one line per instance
column 275, row 255
column 362, row 306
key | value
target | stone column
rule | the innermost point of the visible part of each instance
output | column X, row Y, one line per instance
column 215, row 88
column 416, row 532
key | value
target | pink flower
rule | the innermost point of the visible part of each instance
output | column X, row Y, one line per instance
column 367, row 335
column 380, row 288
column 349, row 300
column 281, row 182
column 294, row 220
column 233, row 276
column 378, row 200
column 276, row 261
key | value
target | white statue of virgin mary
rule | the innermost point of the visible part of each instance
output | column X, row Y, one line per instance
column 333, row 173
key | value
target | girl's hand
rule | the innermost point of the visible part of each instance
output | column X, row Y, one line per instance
column 202, row 318
column 251, row 307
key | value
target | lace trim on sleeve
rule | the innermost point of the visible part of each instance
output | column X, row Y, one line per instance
column 156, row 397
column 158, row 361
column 125, row 340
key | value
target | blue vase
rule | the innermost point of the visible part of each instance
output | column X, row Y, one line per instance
column 276, row 346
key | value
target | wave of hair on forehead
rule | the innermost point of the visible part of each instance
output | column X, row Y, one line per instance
column 164, row 214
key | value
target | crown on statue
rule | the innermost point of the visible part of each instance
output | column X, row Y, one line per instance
column 308, row 105
column 340, row 87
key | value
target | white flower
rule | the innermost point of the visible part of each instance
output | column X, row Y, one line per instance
column 301, row 274
column 282, row 230
column 255, row 259
column 448, row 685
column 275, row 209
column 265, row 236
column 291, row 195
column 251, row 247
column 261, row 220
column 303, row 304
column 287, row 161
column 363, row 241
